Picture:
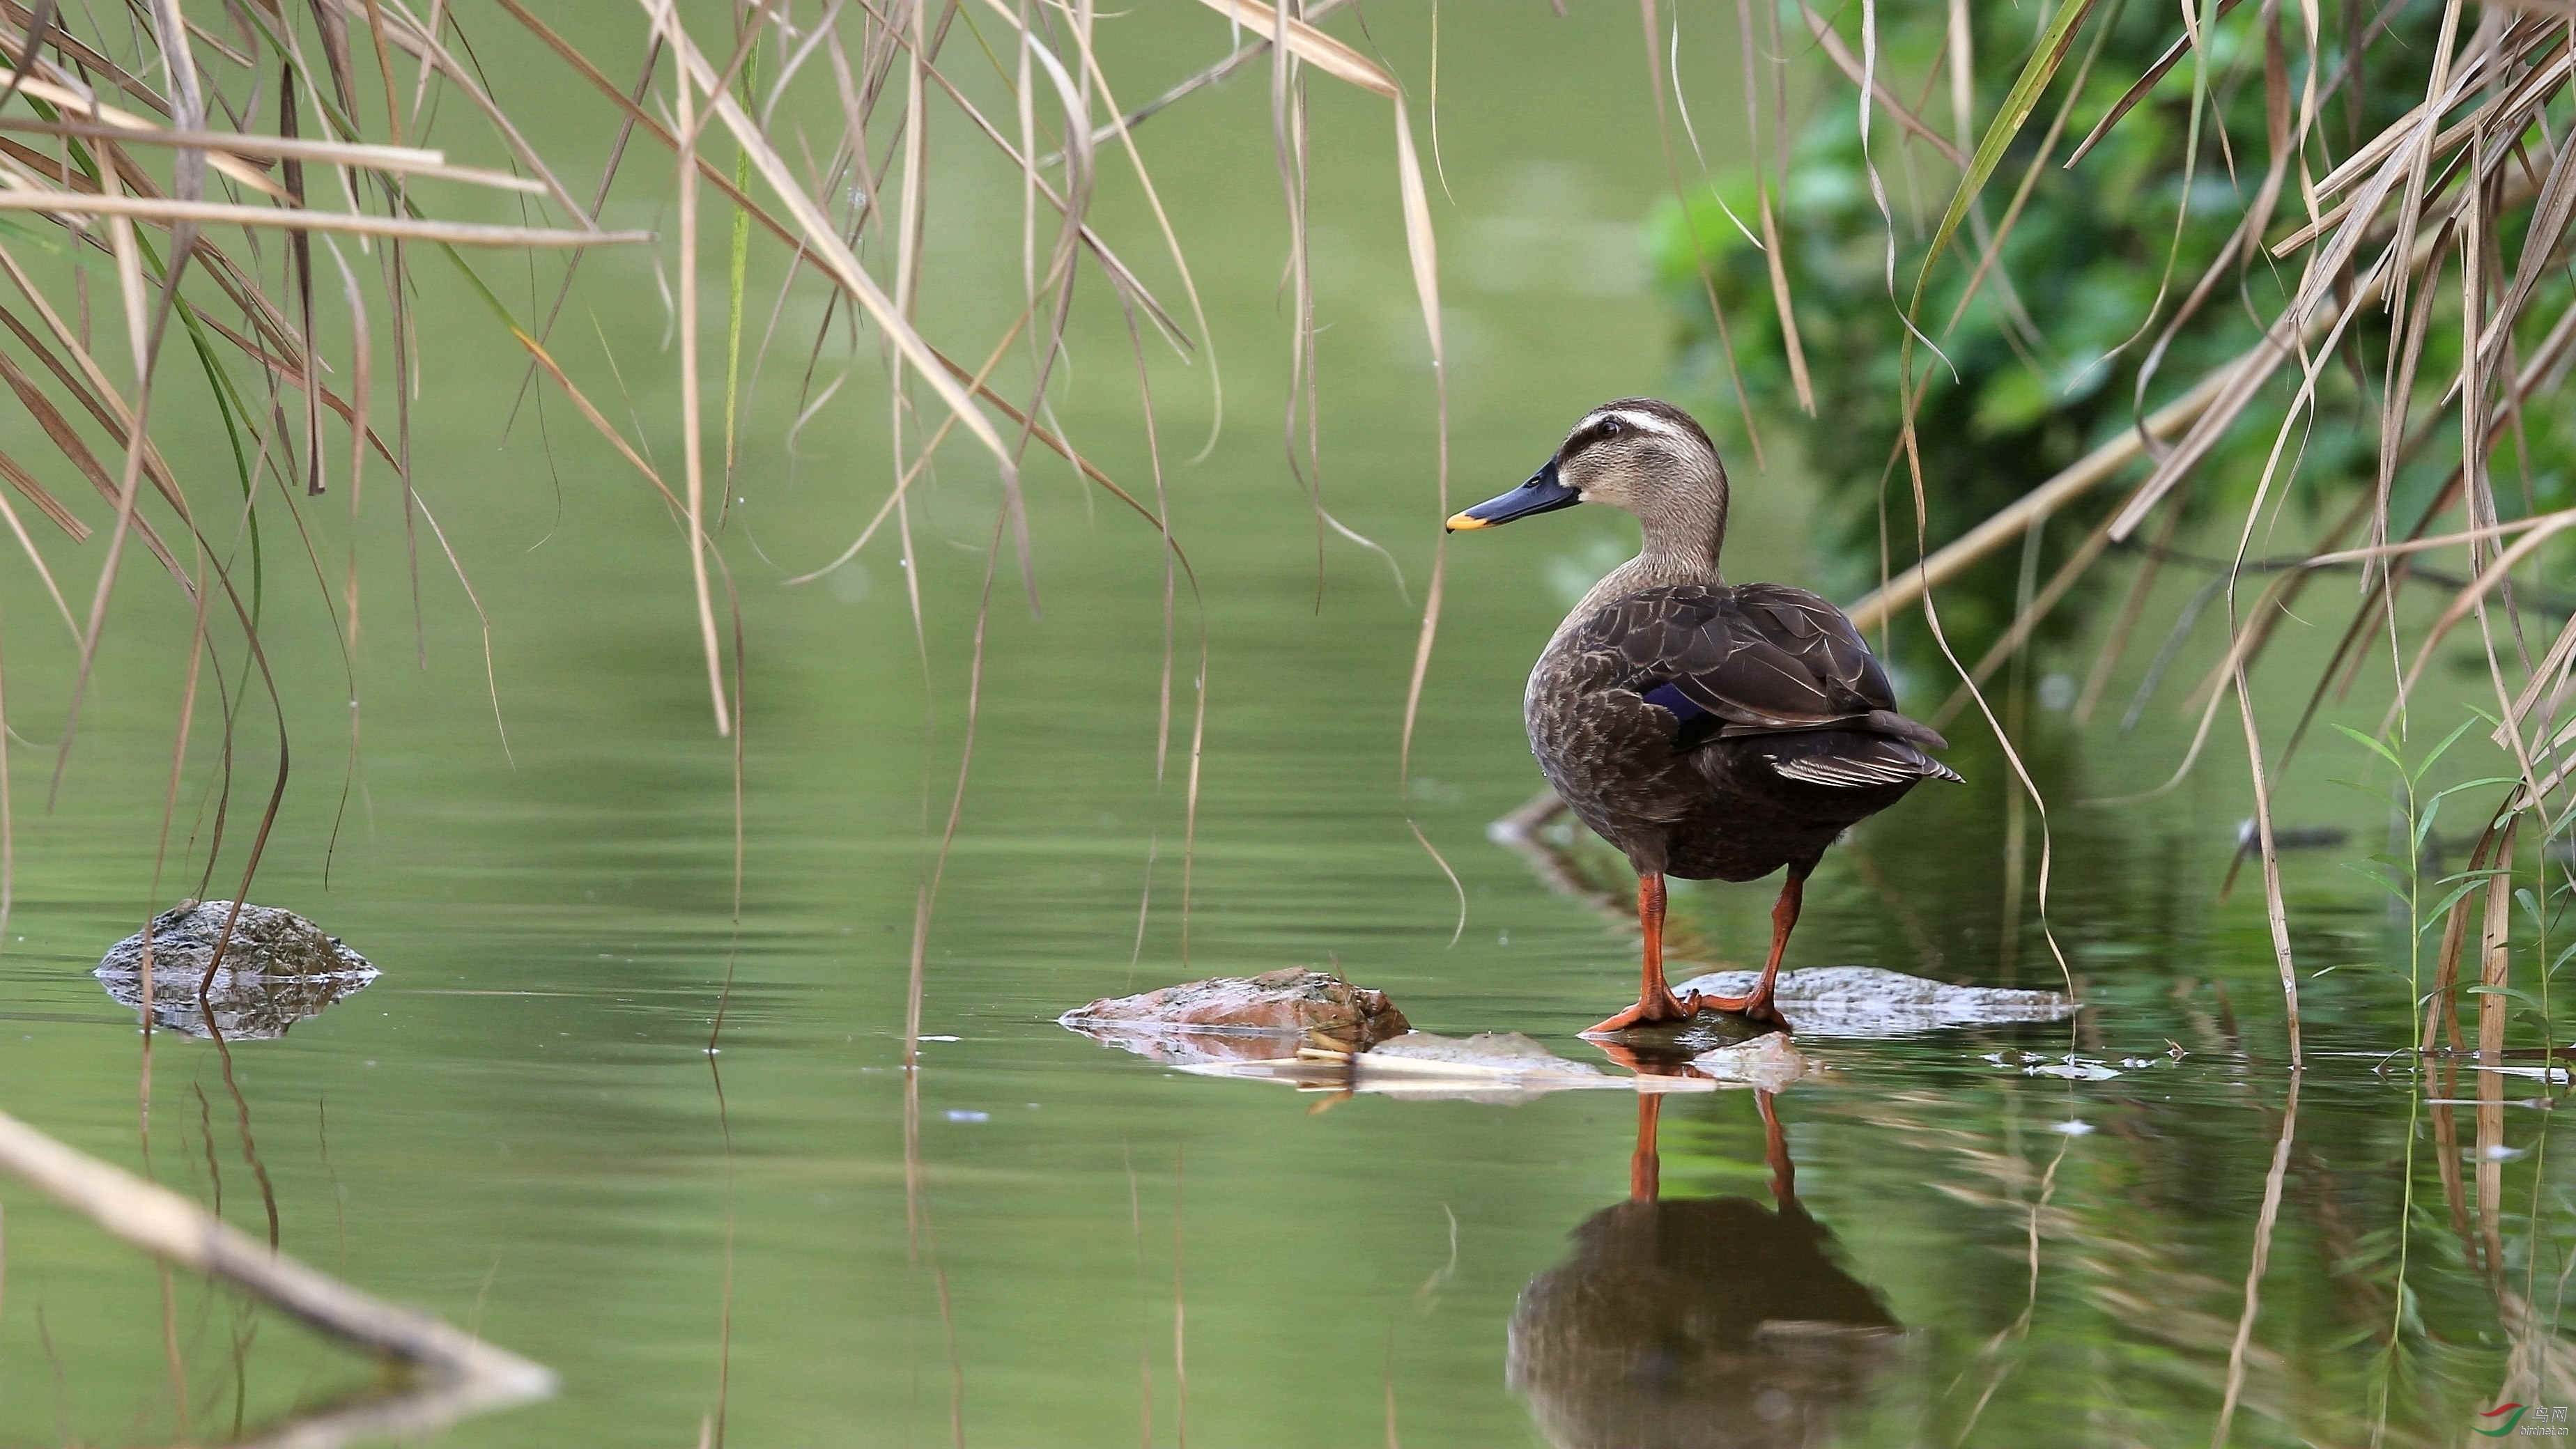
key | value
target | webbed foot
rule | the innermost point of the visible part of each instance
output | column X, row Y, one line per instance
column 1657, row 1007
column 1754, row 1005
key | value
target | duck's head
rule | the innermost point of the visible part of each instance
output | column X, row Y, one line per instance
column 1639, row 454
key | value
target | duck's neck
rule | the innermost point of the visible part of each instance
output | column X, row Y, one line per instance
column 1681, row 547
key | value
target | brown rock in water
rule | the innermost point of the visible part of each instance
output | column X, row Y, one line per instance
column 277, row 969
column 1290, row 1002
column 264, row 941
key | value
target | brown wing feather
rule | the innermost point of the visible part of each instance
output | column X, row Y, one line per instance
column 1776, row 670
column 1758, row 658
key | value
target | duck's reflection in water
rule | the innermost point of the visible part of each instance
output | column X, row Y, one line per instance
column 1696, row 1321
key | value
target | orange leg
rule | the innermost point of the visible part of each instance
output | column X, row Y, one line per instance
column 1655, row 999
column 1775, row 1150
column 1645, row 1174
column 1784, row 919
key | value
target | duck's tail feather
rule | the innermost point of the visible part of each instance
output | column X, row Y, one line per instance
column 1850, row 760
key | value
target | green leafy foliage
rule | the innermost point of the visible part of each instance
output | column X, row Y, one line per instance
column 2044, row 361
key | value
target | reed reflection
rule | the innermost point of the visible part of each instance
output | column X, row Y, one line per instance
column 1684, row 1322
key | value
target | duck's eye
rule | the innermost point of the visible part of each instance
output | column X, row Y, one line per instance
column 1610, row 427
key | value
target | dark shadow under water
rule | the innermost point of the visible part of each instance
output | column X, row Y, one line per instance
column 1684, row 1322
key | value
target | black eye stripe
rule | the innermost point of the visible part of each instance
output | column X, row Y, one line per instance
column 1600, row 432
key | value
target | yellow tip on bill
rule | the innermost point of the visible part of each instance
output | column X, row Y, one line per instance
column 1458, row 521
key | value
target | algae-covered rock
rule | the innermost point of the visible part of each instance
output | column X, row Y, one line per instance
column 1291, row 1002
column 1869, row 1001
column 1500, row 1053
column 1767, row 1062
column 277, row 968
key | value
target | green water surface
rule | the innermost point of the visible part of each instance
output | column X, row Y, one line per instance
column 1038, row 1241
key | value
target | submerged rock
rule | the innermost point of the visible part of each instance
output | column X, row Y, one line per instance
column 1291, row 1003
column 1768, row 1062
column 1868, row 1001
column 1497, row 1067
column 277, row 969
column 1500, row 1053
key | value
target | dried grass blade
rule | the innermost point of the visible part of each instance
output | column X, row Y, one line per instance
column 1990, row 255
column 392, row 160
column 2137, row 92
column 175, row 213
column 2012, row 520
column 1421, row 250
column 2551, row 213
column 75, row 450
column 2290, row 333
column 1781, row 302
column 423, row 44
column 17, row 475
column 2026, row 622
column 1172, row 240
column 2551, row 669
column 87, row 58
column 92, row 388
column 1243, row 55
column 112, row 120
column 2275, row 907
column 1310, row 45
column 1837, row 51
column 692, row 421
column 2559, row 519
column 2496, row 953
column 2469, row 597
column 821, row 241
column 39, row 29
column 26, row 483
column 599, row 422
column 1119, row 272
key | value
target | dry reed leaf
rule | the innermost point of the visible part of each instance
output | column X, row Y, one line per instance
column 1310, row 45
column 58, row 430
column 1835, row 50
column 112, row 120
column 26, row 483
column 393, row 160
column 2147, row 81
column 2275, row 905
column 171, row 212
column 407, row 33
column 1120, row 274
column 87, row 59
column 1422, row 252
column 1792, row 343
column 821, row 241
column 2468, row 598
column 2550, row 673
column 2032, row 508
column 692, row 424
column 1315, row 13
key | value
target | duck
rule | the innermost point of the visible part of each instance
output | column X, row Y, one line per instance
column 1708, row 730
